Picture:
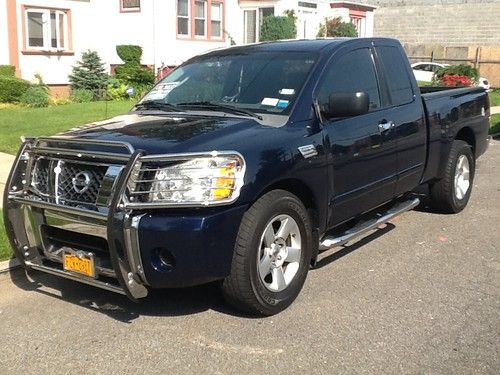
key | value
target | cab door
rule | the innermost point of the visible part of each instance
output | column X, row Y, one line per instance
column 405, row 110
column 361, row 149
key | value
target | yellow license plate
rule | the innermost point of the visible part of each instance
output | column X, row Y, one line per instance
column 80, row 264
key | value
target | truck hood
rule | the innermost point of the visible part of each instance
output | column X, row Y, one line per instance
column 158, row 134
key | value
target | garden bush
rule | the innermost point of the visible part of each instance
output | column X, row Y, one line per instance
column 82, row 96
column 89, row 74
column 12, row 89
column 36, row 96
column 7, row 70
column 278, row 27
column 334, row 27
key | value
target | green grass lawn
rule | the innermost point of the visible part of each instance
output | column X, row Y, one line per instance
column 494, row 97
column 5, row 249
column 15, row 122
column 495, row 124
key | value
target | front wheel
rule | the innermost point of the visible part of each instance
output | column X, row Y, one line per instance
column 451, row 194
column 272, row 255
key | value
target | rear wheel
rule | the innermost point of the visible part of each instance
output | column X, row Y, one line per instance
column 451, row 194
column 272, row 255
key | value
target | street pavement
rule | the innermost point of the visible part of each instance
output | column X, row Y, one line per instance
column 421, row 295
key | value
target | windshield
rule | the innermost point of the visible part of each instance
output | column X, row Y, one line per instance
column 265, row 82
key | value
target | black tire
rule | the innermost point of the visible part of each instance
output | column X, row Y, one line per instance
column 244, row 288
column 443, row 195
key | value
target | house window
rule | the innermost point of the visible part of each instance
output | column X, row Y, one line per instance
column 130, row 5
column 216, row 20
column 46, row 29
column 253, row 19
column 200, row 19
column 200, row 16
column 183, row 17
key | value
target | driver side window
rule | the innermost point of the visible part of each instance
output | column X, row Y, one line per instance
column 352, row 72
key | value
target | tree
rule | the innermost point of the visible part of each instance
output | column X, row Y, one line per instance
column 278, row 27
column 89, row 74
column 334, row 27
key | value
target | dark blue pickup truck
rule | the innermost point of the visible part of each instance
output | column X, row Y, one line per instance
column 241, row 166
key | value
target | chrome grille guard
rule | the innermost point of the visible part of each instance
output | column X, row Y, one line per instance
column 120, row 223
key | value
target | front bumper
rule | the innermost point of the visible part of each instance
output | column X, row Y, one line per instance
column 129, row 245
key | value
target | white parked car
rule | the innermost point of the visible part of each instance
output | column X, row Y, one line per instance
column 424, row 71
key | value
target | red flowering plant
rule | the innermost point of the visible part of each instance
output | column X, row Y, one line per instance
column 456, row 75
column 454, row 80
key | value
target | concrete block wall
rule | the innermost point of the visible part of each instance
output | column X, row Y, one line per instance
column 450, row 28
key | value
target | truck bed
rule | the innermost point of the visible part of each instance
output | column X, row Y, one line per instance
column 452, row 113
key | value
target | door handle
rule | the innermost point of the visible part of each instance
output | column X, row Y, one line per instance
column 386, row 125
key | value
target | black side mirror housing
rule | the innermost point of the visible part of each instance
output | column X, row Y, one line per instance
column 347, row 104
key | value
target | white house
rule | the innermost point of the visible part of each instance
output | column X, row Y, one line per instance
column 49, row 36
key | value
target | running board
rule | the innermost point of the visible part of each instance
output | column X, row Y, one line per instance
column 365, row 226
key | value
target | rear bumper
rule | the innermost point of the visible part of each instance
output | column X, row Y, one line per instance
column 129, row 247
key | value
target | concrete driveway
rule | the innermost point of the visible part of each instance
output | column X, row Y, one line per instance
column 420, row 296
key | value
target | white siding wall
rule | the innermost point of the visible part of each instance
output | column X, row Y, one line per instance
column 99, row 25
column 4, row 41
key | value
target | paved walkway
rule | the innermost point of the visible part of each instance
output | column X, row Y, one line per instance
column 495, row 110
column 6, row 161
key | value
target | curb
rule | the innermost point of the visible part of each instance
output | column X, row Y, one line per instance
column 9, row 265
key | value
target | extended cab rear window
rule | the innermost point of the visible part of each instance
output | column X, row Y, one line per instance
column 396, row 75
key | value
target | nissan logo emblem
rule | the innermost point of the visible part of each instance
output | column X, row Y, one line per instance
column 81, row 182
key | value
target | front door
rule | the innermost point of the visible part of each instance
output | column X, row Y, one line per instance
column 361, row 149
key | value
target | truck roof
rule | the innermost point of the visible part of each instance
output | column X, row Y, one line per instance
column 302, row 45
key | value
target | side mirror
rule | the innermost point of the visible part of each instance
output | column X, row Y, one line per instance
column 347, row 104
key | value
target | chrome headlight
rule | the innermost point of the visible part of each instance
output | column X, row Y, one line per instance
column 190, row 180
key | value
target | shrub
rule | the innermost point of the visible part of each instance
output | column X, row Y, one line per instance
column 7, row 70
column 132, row 73
column 278, row 27
column 89, row 74
column 82, row 96
column 117, row 90
column 460, row 70
column 334, row 27
column 12, row 88
column 36, row 96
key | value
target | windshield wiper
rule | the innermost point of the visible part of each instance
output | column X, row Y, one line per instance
column 211, row 106
column 155, row 104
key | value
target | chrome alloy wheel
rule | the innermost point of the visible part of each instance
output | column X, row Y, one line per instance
column 462, row 177
column 279, row 253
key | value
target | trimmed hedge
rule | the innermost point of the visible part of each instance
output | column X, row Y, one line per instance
column 7, row 70
column 12, row 89
column 129, row 53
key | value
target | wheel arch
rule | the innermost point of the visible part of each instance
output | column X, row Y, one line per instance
column 306, row 195
column 467, row 135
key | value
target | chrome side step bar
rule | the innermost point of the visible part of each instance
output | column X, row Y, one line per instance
column 365, row 226
column 70, row 276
